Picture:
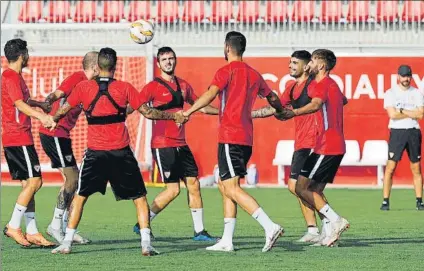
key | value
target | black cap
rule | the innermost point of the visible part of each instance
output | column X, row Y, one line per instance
column 405, row 70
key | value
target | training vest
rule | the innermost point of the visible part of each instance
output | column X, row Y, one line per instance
column 103, row 83
column 303, row 99
column 177, row 96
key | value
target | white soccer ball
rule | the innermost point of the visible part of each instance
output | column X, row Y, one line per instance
column 142, row 31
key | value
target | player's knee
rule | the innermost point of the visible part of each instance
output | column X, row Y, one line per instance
column 292, row 186
column 34, row 184
column 173, row 190
column 300, row 189
column 416, row 169
column 390, row 166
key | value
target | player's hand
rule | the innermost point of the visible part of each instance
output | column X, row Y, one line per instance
column 180, row 118
column 286, row 114
column 45, row 106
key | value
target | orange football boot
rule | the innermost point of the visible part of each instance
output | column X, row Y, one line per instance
column 17, row 235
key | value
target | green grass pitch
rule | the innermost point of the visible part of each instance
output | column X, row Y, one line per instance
column 377, row 240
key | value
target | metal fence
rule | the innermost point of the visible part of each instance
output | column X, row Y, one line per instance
column 384, row 32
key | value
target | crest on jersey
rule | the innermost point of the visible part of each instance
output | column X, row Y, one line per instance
column 37, row 168
column 167, row 174
column 68, row 158
column 391, row 154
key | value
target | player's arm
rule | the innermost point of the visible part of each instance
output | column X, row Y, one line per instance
column 29, row 111
column 263, row 112
column 62, row 111
column 204, row 100
column 54, row 96
column 414, row 114
column 209, row 109
column 312, row 107
column 130, row 110
column 154, row 114
column 45, row 106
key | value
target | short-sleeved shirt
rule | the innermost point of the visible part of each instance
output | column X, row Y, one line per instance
column 166, row 133
column 305, row 125
column 239, row 85
column 105, row 136
column 16, row 126
column 68, row 122
column 330, row 139
column 409, row 99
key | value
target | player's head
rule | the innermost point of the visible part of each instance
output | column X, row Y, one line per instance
column 322, row 60
column 299, row 63
column 89, row 64
column 235, row 44
column 166, row 60
column 405, row 75
column 107, row 60
column 16, row 51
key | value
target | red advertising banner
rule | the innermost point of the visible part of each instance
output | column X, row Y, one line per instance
column 362, row 79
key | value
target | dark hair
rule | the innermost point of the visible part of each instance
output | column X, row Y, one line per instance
column 237, row 41
column 302, row 55
column 107, row 59
column 328, row 56
column 13, row 49
column 90, row 60
column 164, row 50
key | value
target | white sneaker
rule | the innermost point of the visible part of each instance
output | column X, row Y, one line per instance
column 309, row 238
column 78, row 239
column 337, row 228
column 221, row 246
column 64, row 248
column 271, row 238
column 57, row 234
column 148, row 250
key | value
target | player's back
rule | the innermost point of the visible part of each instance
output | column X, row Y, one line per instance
column 109, row 136
column 331, row 138
column 237, row 96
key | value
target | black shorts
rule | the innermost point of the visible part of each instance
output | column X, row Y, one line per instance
column 23, row 162
column 175, row 163
column 59, row 150
column 321, row 168
column 405, row 139
column 119, row 167
column 232, row 160
column 298, row 161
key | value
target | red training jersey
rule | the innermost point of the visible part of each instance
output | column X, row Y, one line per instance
column 330, row 140
column 16, row 126
column 166, row 133
column 68, row 122
column 305, row 126
column 239, row 85
column 108, row 136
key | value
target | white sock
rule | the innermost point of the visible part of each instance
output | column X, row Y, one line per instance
column 326, row 226
column 57, row 219
column 313, row 230
column 18, row 213
column 145, row 236
column 329, row 213
column 197, row 215
column 229, row 226
column 152, row 215
column 65, row 220
column 69, row 234
column 31, row 226
column 263, row 219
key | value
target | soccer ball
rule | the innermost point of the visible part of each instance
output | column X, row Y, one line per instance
column 142, row 31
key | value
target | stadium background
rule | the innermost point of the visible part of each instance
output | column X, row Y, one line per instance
column 371, row 39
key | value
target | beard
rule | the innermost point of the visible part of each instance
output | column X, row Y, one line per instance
column 225, row 56
column 405, row 84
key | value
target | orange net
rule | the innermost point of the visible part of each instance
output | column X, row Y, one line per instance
column 44, row 74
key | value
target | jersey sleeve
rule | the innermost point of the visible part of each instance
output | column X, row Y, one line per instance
column 389, row 99
column 74, row 98
column 264, row 89
column 190, row 95
column 133, row 97
column 146, row 94
column 14, row 89
column 221, row 78
column 69, row 83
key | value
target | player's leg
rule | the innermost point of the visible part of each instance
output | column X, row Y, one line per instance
column 93, row 178
column 321, row 169
column 194, row 196
column 397, row 144
column 230, row 214
column 23, row 165
column 127, row 184
column 299, row 158
column 414, row 152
